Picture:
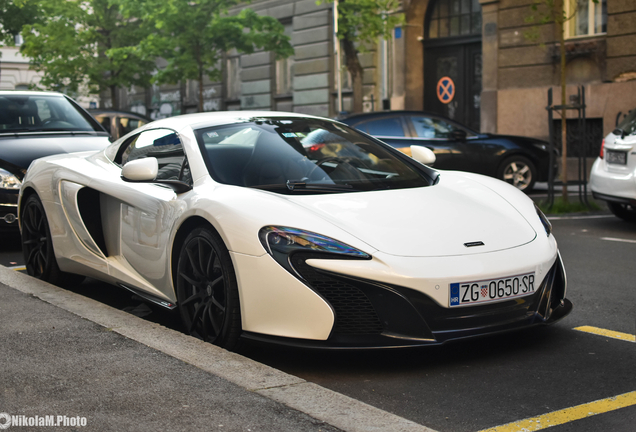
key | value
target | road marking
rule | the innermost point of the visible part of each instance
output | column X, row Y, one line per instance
column 607, row 333
column 17, row 268
column 618, row 239
column 580, row 217
column 568, row 415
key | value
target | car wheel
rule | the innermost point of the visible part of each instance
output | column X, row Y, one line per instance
column 519, row 171
column 207, row 293
column 623, row 211
column 37, row 246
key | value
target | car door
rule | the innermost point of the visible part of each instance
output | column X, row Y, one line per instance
column 455, row 147
column 141, row 215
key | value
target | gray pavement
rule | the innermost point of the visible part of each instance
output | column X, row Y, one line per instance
column 62, row 354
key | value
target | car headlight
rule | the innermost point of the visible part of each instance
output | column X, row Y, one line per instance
column 282, row 242
column 544, row 220
column 8, row 180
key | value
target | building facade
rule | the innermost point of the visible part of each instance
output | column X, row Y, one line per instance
column 15, row 73
column 500, row 66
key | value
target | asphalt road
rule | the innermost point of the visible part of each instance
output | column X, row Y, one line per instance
column 480, row 384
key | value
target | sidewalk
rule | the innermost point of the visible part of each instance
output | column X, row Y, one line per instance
column 67, row 355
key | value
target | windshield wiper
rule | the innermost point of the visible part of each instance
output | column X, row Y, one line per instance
column 620, row 132
column 299, row 184
column 293, row 186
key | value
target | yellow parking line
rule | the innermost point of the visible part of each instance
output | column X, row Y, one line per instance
column 18, row 268
column 568, row 415
column 607, row 333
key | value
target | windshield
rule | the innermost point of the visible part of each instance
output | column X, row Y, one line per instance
column 42, row 113
column 628, row 125
column 304, row 156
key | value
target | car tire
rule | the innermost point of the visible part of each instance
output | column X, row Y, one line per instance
column 206, row 288
column 518, row 171
column 623, row 211
column 37, row 246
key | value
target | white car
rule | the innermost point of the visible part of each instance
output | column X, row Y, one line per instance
column 613, row 175
column 295, row 230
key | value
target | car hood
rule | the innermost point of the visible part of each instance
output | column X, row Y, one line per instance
column 21, row 150
column 431, row 221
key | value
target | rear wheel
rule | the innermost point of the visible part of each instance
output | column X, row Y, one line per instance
column 37, row 246
column 623, row 211
column 519, row 171
column 207, row 292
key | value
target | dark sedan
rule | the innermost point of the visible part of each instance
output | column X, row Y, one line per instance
column 519, row 161
column 34, row 125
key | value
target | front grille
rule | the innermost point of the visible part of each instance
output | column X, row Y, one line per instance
column 354, row 312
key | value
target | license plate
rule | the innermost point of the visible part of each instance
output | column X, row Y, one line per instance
column 489, row 290
column 616, row 157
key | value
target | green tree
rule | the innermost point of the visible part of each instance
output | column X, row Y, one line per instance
column 553, row 11
column 360, row 24
column 193, row 35
column 14, row 14
column 71, row 47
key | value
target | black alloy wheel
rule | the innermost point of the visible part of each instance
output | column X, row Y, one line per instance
column 518, row 171
column 37, row 246
column 207, row 292
column 623, row 211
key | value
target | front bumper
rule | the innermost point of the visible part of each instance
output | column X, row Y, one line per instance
column 374, row 315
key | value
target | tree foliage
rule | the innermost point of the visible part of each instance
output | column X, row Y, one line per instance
column 15, row 14
column 360, row 24
column 71, row 45
column 193, row 35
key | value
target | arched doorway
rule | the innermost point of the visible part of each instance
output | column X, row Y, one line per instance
column 452, row 49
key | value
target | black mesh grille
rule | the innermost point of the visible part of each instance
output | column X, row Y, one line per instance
column 354, row 311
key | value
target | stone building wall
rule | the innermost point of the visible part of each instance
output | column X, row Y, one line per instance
column 605, row 64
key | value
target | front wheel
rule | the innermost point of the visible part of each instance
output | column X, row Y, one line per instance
column 623, row 211
column 37, row 246
column 519, row 171
column 206, row 288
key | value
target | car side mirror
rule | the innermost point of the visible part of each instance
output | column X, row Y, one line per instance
column 423, row 155
column 145, row 171
column 141, row 170
column 458, row 135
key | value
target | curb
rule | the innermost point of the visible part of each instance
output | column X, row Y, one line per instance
column 333, row 408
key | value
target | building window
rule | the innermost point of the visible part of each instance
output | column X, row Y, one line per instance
column 586, row 18
column 284, row 75
column 455, row 18
column 285, row 70
column 233, row 78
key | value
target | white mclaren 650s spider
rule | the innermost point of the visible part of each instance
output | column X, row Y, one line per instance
column 296, row 230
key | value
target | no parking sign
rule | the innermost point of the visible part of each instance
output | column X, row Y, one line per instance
column 445, row 90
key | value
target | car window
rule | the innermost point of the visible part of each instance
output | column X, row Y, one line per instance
column 428, row 127
column 388, row 126
column 163, row 144
column 41, row 113
column 127, row 124
column 303, row 156
column 104, row 121
column 628, row 125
